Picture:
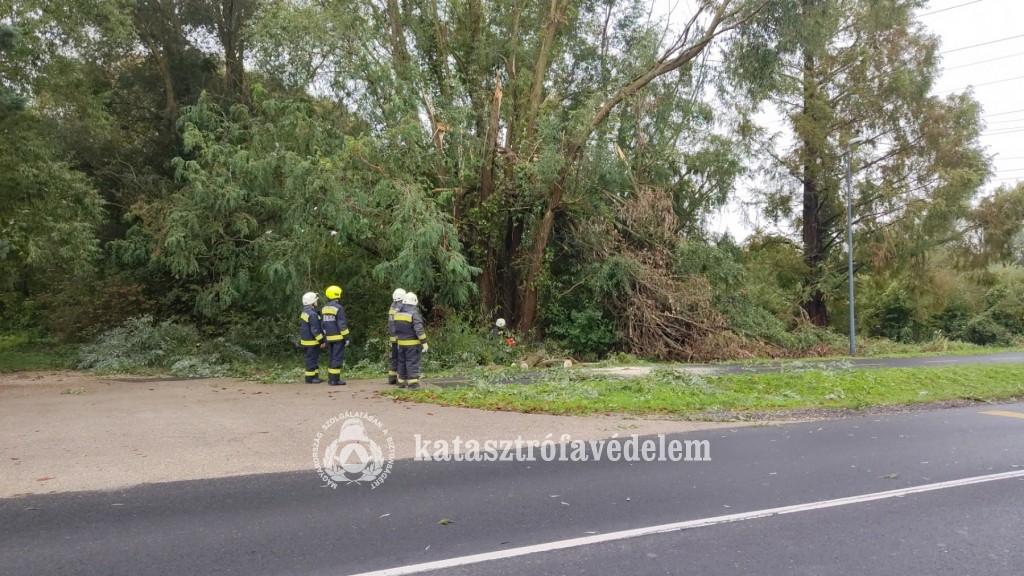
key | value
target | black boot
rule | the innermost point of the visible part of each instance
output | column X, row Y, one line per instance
column 337, row 383
column 313, row 380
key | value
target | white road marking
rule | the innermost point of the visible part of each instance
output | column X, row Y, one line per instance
column 677, row 526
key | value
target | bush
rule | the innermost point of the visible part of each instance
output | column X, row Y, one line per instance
column 984, row 330
column 90, row 307
column 263, row 335
column 807, row 338
column 457, row 343
column 143, row 345
column 893, row 316
column 586, row 333
column 1005, row 301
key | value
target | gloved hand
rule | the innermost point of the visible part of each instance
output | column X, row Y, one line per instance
column 426, row 346
column 348, row 341
column 323, row 345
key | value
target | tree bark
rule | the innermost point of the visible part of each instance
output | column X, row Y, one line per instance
column 812, row 231
column 677, row 56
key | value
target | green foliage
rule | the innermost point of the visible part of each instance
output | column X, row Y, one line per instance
column 209, row 162
column 893, row 315
column 1004, row 302
column 10, row 101
column 996, row 225
column 275, row 205
column 461, row 343
column 734, row 396
column 741, row 294
column 588, row 333
column 27, row 350
column 864, row 68
column 90, row 305
column 984, row 330
column 142, row 344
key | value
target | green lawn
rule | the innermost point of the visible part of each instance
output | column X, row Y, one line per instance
column 22, row 352
column 684, row 395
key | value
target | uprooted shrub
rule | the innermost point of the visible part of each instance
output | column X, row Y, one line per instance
column 660, row 314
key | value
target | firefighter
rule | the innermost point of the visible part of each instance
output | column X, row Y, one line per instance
column 411, row 340
column 498, row 330
column 311, row 336
column 396, row 305
column 336, row 333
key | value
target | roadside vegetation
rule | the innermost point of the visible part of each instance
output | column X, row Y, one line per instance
column 168, row 193
column 733, row 396
column 27, row 351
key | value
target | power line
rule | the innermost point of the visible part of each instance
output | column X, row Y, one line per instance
column 982, row 44
column 982, row 61
column 1003, row 113
column 1007, row 121
column 1003, row 131
column 982, row 84
column 950, row 8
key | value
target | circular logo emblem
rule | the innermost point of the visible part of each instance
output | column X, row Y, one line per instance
column 353, row 448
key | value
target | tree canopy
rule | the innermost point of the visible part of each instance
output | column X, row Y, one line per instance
column 555, row 163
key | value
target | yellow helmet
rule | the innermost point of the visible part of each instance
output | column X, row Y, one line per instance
column 333, row 292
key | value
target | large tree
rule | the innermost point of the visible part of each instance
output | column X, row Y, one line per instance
column 502, row 106
column 48, row 210
column 837, row 71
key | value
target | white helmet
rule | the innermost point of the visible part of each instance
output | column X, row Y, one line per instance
column 308, row 298
column 410, row 299
column 398, row 295
column 500, row 323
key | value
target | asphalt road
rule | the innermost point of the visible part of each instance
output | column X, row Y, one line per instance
column 291, row 524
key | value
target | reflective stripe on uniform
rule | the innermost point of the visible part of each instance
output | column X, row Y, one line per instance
column 330, row 310
column 402, row 317
column 305, row 317
column 393, row 339
column 336, row 337
column 334, row 370
column 408, row 342
column 311, row 372
column 308, row 342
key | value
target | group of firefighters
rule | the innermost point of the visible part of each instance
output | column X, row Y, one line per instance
column 326, row 328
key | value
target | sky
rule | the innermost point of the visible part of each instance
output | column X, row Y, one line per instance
column 982, row 45
column 999, row 83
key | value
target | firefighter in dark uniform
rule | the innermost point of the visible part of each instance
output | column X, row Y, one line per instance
column 311, row 336
column 336, row 333
column 396, row 306
column 412, row 341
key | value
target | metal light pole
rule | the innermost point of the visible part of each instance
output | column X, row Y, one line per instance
column 849, row 238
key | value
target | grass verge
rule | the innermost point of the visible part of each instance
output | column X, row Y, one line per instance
column 20, row 352
column 675, row 393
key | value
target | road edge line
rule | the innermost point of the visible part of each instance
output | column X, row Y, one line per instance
column 685, row 525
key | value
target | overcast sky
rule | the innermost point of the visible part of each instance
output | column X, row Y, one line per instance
column 998, row 84
column 995, row 70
